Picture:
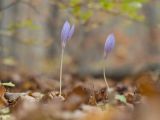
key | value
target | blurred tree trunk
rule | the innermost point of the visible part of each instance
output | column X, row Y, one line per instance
column 33, row 54
column 8, row 16
column 1, row 45
column 30, row 55
column 52, row 27
column 152, row 24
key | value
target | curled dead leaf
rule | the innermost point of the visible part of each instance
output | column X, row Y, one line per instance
column 3, row 100
column 76, row 97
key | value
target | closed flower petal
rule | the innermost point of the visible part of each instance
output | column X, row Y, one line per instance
column 71, row 32
column 109, row 44
column 64, row 33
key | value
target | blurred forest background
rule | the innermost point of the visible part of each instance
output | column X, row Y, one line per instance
column 30, row 35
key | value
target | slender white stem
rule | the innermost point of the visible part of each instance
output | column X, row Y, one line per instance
column 104, row 75
column 61, row 69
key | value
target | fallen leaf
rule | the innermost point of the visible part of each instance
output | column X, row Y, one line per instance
column 3, row 101
column 121, row 98
column 9, row 84
column 76, row 97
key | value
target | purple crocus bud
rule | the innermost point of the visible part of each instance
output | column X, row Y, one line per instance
column 109, row 44
column 66, row 33
column 71, row 32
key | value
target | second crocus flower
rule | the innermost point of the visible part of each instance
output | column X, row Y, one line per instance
column 108, row 47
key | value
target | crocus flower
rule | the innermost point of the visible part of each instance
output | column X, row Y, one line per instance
column 109, row 44
column 66, row 33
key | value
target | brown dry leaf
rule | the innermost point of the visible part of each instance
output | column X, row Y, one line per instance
column 3, row 101
column 29, row 85
column 101, row 95
column 76, row 97
column 37, row 95
column 49, row 111
column 46, row 84
column 13, row 97
column 52, row 96
column 130, row 98
column 147, row 87
column 92, row 100
column 23, row 105
column 148, row 109
column 110, row 113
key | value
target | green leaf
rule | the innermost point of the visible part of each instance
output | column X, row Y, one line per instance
column 24, row 24
column 5, row 110
column 107, row 5
column 75, row 2
column 9, row 61
column 85, row 15
column 9, row 84
column 121, row 98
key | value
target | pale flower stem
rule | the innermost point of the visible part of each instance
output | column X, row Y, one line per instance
column 61, row 69
column 104, row 75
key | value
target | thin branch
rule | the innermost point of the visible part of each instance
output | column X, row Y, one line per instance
column 116, row 13
column 10, row 5
column 19, row 1
column 31, row 6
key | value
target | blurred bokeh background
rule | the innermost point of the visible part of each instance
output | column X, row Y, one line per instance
column 30, row 35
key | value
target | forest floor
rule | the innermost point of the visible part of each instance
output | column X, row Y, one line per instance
column 36, row 97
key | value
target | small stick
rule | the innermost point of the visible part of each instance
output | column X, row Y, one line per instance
column 93, row 89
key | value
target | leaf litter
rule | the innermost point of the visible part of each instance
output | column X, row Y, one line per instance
column 36, row 98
